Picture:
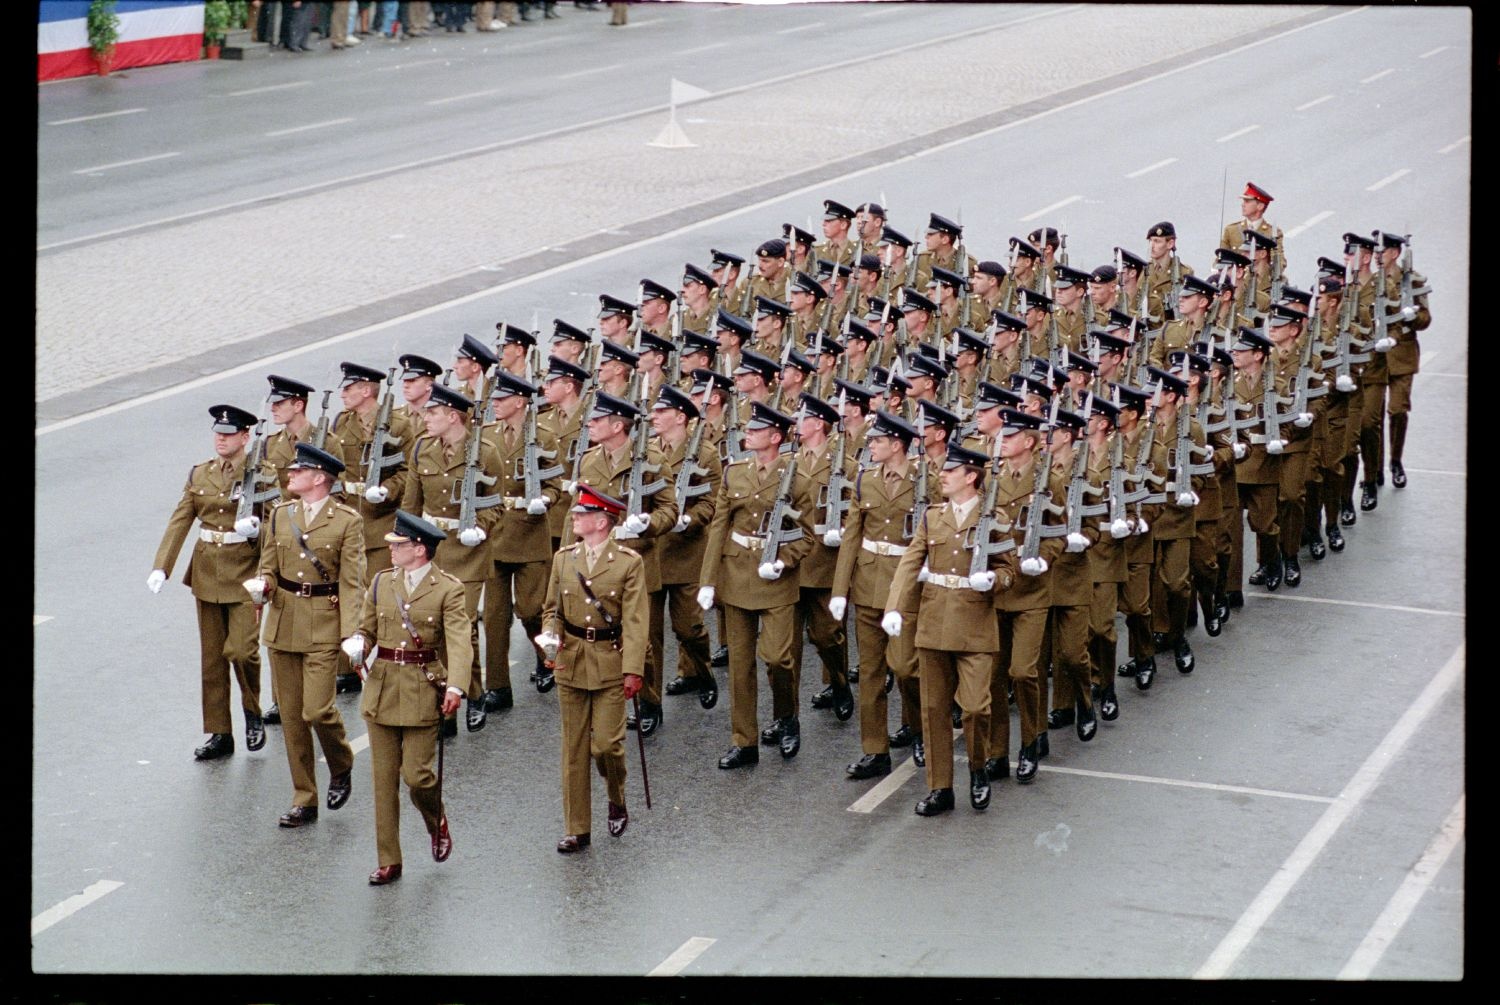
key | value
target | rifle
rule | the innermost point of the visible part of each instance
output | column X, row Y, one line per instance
column 1169, row 308
column 1078, row 479
column 685, row 490
column 466, row 491
column 320, row 432
column 772, row 527
column 1346, row 352
column 919, row 504
column 1409, row 293
column 1303, row 392
column 378, row 459
column 910, row 279
column 1143, row 477
column 638, row 488
column 981, row 539
column 532, row 473
column 1119, row 498
column 1183, row 465
column 749, row 286
column 256, row 485
column 831, row 501
column 1041, row 503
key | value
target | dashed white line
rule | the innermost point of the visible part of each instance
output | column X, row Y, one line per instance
column 1052, row 208
column 685, row 954
column 701, row 48
column 537, row 44
column 73, row 905
column 588, row 73
column 1376, row 76
column 308, row 127
column 1382, row 183
column 1237, row 133
column 91, row 118
column 425, row 62
column 463, row 97
column 1184, row 784
column 1454, row 145
column 1398, row 910
column 268, row 88
column 885, row 788
column 1432, row 52
column 37, row 619
column 1311, row 846
column 1308, row 224
column 1151, row 167
column 1357, row 603
column 1313, row 103
column 120, row 164
column 1438, row 471
column 642, row 24
column 800, row 27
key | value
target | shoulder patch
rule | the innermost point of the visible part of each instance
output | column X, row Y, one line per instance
column 629, row 551
column 450, row 577
column 348, row 509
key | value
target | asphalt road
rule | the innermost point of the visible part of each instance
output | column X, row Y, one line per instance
column 1281, row 812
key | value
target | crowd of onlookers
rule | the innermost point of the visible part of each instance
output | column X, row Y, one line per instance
column 290, row 24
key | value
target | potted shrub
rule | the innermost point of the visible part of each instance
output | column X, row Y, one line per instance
column 216, row 23
column 104, row 32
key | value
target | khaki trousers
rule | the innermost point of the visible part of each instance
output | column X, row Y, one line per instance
column 1102, row 638
column 304, row 690
column 396, row 753
column 1290, row 497
column 593, row 728
column 1070, row 656
column 1171, row 586
column 877, row 651
column 1135, row 604
column 966, row 677
column 227, row 637
column 1021, row 635
column 514, row 591
column 687, row 625
column 826, row 635
column 765, row 634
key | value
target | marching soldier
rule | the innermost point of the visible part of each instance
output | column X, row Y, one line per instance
column 990, row 285
column 733, row 333
column 414, row 614
column 312, row 564
column 1187, row 327
column 1402, row 354
column 1257, row 459
column 772, row 318
column 1323, row 505
column 1262, row 276
column 1072, row 594
column 1069, row 290
column 616, row 319
column 1175, row 527
column 656, row 308
column 943, row 239
column 898, row 268
column 472, row 361
column 699, row 299
column 815, row 573
column 1107, row 568
column 418, row 375
column 569, row 342
column 1140, row 548
column 726, row 272
column 1163, row 277
column 596, row 620
column 289, row 411
column 562, row 424
column 1253, row 203
column 1026, row 271
column 515, row 351
column 1297, row 458
column 806, row 297
column 1208, row 515
column 769, row 279
column 222, row 559
column 799, row 251
column 836, row 245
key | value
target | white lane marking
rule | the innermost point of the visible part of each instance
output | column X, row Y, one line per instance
column 1184, row 784
column 1151, row 167
column 1308, row 224
column 268, row 88
column 1237, row 133
column 1430, row 357
column 1313, row 103
column 800, row 27
column 1398, row 911
column 419, row 62
column 1382, row 183
column 1451, row 376
column 73, row 905
column 640, row 24
column 1432, row 52
column 360, row 742
column 463, row 97
column 889, row 8
column 1356, row 603
column 1437, row 471
column 91, row 118
column 537, row 44
column 37, row 619
column 1376, row 76
column 589, row 72
column 1048, row 209
column 1311, row 846
column 120, row 164
column 310, row 125
column 685, row 954
column 701, row 48
column 886, row 787
column 1454, row 145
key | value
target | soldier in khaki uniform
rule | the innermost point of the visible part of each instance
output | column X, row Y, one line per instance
column 1253, row 203
column 944, row 246
column 563, row 424
column 414, row 615
column 727, row 273
column 1140, row 546
column 1257, row 459
column 418, row 374
column 1107, row 568
column 222, row 559
column 1400, row 348
column 471, row 362
column 1072, row 594
column 1165, row 271
column 289, row 411
column 1187, row 327
column 596, row 619
column 1072, row 320
column 1175, row 526
column 1298, row 456
column 836, row 245
column 312, row 564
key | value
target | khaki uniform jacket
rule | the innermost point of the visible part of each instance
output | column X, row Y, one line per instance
column 1288, row 363
column 681, row 553
column 951, row 620
column 429, row 494
column 400, row 694
column 1257, row 467
column 336, row 536
column 215, row 571
column 1406, row 356
column 842, row 254
column 564, row 431
column 354, row 437
column 816, row 570
column 746, row 495
column 1072, row 575
column 1174, row 522
column 613, row 479
column 619, row 583
column 1158, row 280
column 518, row 536
column 1026, row 593
column 1234, row 236
column 1177, row 334
column 1140, row 548
column 1107, row 555
column 876, row 514
column 281, row 451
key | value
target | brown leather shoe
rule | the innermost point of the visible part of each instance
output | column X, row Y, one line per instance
column 338, row 789
column 442, row 842
column 385, row 874
column 299, row 815
column 573, row 842
column 618, row 819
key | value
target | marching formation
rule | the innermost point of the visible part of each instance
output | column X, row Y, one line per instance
column 972, row 464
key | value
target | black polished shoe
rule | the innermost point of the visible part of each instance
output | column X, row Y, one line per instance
column 721, row 657
column 869, row 766
column 979, row 788
column 843, row 705
column 1127, row 669
column 571, row 843
column 651, row 718
column 1212, row 625
column 1026, row 764
column 1258, row 577
column 255, row 731
column 1347, row 516
column 1146, row 674
column 853, row 675
column 1273, row 577
column 791, row 738
column 1059, row 717
column 683, row 685
column 1367, row 499
column 218, row 745
column 935, row 802
column 474, row 716
column 1291, row 571
column 1221, row 608
column 708, row 694
column 499, row 699
column 297, row 816
column 1087, row 725
column 1158, row 641
column 739, row 757
column 338, row 789
column 824, row 698
column 919, row 753
column 347, row 683
column 996, row 768
column 1183, row 654
column 271, row 716
column 902, row 737
column 1335, row 539
column 1235, row 598
column 1317, row 548
column 1398, row 475
column 957, row 716
column 1041, row 745
column 1109, row 703
column 771, row 735
column 544, row 680
column 450, row 726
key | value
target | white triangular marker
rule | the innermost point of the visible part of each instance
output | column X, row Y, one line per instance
column 683, row 93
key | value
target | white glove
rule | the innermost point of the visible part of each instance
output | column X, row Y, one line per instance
column 354, row 648
column 248, row 527
column 1033, row 566
column 1385, row 344
column 1240, row 450
column 637, row 523
column 536, row 507
column 706, row 597
column 924, row 574
column 1344, row 383
column 982, row 581
column 1409, row 312
column 547, row 642
column 377, row 494
column 771, row 571
column 1142, row 527
column 570, row 487
column 1275, row 446
column 1119, row 529
column 1303, row 420
column 1187, row 499
column 891, row 623
column 682, row 523
column 256, row 588
column 834, row 537
column 154, row 581
column 469, row 538
column 1077, row 543
column 837, row 606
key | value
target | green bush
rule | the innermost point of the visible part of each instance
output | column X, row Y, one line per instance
column 103, row 25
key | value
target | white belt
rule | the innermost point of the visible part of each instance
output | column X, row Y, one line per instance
column 746, row 541
column 882, row 547
column 440, row 522
column 948, row 582
column 353, row 488
column 220, row 536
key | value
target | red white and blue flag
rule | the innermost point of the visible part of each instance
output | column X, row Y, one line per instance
column 151, row 31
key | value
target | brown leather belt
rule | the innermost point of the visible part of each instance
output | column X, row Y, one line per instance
column 308, row 589
column 418, row 656
column 592, row 634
